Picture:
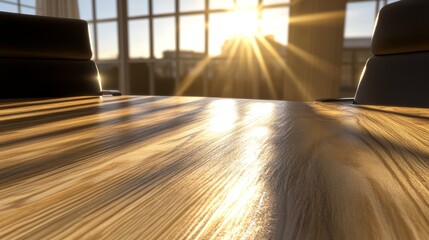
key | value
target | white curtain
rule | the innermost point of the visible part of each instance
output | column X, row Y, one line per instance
column 58, row 8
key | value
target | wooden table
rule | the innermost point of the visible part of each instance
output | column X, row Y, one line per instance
column 200, row 168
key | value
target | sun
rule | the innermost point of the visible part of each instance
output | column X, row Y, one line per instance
column 245, row 22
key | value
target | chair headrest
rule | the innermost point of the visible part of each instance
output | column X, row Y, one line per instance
column 402, row 27
column 46, row 57
column 398, row 74
column 27, row 36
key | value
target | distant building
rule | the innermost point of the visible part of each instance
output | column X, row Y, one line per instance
column 237, row 72
column 248, row 68
column 169, row 54
column 162, row 73
column 188, row 60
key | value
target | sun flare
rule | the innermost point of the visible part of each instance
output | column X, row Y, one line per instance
column 245, row 22
column 246, row 51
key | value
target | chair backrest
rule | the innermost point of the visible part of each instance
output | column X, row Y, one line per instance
column 45, row 57
column 398, row 74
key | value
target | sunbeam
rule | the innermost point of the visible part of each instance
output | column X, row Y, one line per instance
column 245, row 22
column 190, row 78
column 318, row 63
column 281, row 62
column 250, row 67
column 231, row 56
column 243, row 61
column 263, row 67
column 318, row 18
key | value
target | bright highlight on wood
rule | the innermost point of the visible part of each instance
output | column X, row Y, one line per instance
column 201, row 168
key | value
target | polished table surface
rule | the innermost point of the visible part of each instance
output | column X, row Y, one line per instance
column 206, row 168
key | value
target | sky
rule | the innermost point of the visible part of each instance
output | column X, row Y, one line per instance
column 27, row 8
column 360, row 17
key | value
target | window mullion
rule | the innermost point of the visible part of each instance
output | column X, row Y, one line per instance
column 206, row 44
column 151, row 46
column 94, row 27
column 177, row 61
column 123, row 47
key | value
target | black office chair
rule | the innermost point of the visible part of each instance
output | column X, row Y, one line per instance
column 398, row 74
column 42, row 57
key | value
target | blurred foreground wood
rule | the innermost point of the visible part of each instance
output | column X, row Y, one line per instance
column 201, row 168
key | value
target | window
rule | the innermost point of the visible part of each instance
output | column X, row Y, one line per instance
column 218, row 34
column 191, row 5
column 138, row 38
column 107, row 40
column 102, row 17
column 106, row 9
column 269, row 2
column 359, row 25
column 138, row 8
column 164, row 29
column 163, row 6
column 181, row 45
column 192, row 36
column 275, row 22
column 86, row 10
column 221, row 4
column 360, row 19
column 18, row 6
column 191, row 46
column 196, row 44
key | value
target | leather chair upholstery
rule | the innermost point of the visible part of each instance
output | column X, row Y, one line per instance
column 398, row 74
column 44, row 57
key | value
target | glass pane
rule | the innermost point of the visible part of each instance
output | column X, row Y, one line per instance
column 392, row 1
column 347, row 56
column 192, row 33
column 138, row 38
column 360, row 17
column 6, row 7
column 358, row 73
column 218, row 32
column 346, row 75
column 274, row 22
column 107, row 40
column 191, row 5
column 195, row 79
column 31, row 3
column 109, row 74
column 164, row 73
column 247, row 3
column 164, row 6
column 27, row 10
column 164, row 36
column 380, row 4
column 244, row 22
column 91, row 38
column 221, row 4
column 363, row 56
column 106, row 9
column 137, row 8
column 269, row 2
column 139, row 78
column 85, row 9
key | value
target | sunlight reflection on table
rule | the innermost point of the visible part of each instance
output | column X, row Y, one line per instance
column 245, row 195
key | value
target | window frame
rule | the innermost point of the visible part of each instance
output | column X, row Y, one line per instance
column 19, row 5
column 123, row 20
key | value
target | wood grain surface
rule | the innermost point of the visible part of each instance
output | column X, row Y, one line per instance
column 201, row 168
